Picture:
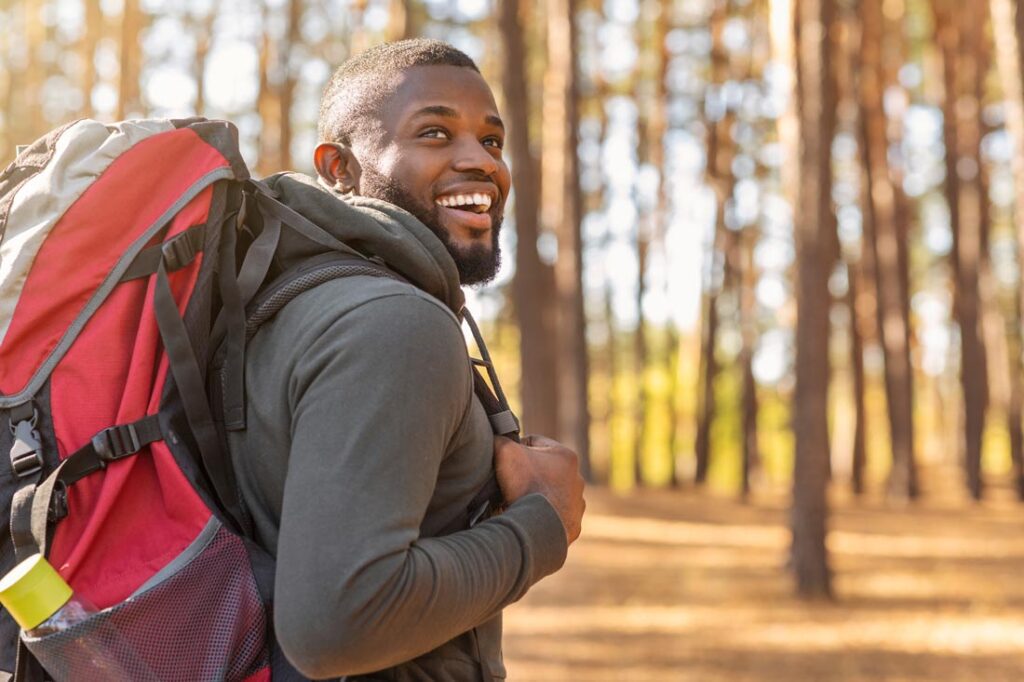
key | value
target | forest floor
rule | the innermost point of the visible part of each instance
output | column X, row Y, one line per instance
column 669, row 585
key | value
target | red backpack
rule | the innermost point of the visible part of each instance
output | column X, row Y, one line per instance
column 128, row 253
column 117, row 257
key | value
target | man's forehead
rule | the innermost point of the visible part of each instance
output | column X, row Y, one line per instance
column 440, row 89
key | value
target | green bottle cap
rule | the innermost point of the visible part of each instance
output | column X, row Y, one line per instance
column 33, row 591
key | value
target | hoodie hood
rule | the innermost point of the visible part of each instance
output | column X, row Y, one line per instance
column 372, row 227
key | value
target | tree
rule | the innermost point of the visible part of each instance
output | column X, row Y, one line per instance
column 533, row 286
column 958, row 38
column 562, row 213
column 816, row 106
column 885, row 253
column 129, row 102
column 1007, row 29
column 718, row 169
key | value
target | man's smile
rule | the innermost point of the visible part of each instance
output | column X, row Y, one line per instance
column 467, row 207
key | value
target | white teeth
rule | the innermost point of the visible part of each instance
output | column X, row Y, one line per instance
column 465, row 200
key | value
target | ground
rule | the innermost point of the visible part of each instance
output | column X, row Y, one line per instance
column 667, row 585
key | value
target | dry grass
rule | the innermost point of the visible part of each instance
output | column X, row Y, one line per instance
column 674, row 586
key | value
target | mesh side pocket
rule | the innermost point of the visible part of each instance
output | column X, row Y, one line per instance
column 205, row 621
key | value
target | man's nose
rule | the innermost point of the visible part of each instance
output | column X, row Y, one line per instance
column 472, row 156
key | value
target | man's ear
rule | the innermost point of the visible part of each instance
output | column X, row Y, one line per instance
column 337, row 166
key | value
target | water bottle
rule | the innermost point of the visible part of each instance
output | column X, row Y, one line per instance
column 39, row 600
column 43, row 604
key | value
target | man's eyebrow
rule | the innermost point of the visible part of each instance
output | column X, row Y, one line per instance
column 437, row 110
column 448, row 112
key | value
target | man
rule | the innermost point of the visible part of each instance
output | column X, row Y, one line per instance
column 369, row 437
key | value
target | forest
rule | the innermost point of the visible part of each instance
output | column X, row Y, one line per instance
column 762, row 270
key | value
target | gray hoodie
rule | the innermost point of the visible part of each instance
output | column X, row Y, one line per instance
column 364, row 440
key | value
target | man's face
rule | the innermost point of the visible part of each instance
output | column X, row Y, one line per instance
column 439, row 157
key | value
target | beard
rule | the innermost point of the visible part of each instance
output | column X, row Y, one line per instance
column 477, row 263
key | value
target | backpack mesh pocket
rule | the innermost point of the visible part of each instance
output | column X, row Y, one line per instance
column 204, row 621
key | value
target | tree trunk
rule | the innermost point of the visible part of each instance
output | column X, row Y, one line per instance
column 1007, row 25
column 720, row 153
column 888, row 247
column 658, row 129
column 203, row 31
column 90, row 39
column 859, row 459
column 288, row 70
column 128, row 102
column 958, row 40
column 747, row 281
column 813, row 244
column 533, row 286
column 640, row 357
column 562, row 211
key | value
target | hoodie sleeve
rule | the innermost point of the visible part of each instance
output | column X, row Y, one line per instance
column 376, row 400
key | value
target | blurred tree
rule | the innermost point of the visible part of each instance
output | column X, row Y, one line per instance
column 87, row 50
column 561, row 211
column 201, row 26
column 959, row 35
column 533, row 286
column 718, row 122
column 885, row 254
column 658, row 129
column 278, row 79
column 1007, row 29
column 129, row 101
column 816, row 107
column 643, row 79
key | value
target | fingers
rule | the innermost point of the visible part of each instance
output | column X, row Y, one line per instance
column 535, row 440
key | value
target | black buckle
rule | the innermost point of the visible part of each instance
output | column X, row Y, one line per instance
column 27, row 451
column 59, row 502
column 27, row 463
column 116, row 442
column 179, row 250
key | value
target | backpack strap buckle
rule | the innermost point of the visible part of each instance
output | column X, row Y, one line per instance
column 116, row 442
column 27, row 451
column 178, row 251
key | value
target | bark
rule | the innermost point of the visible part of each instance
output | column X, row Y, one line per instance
column 87, row 50
column 1007, row 25
column 888, row 257
column 959, row 40
column 289, row 79
column 203, row 30
column 810, row 419
column 128, row 102
column 643, row 244
column 859, row 459
column 266, row 105
column 720, row 153
column 533, row 286
column 747, row 281
column 658, row 129
column 562, row 210
column 640, row 359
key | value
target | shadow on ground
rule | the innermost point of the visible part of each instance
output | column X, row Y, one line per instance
column 672, row 586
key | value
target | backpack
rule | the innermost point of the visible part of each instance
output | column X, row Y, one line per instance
column 136, row 260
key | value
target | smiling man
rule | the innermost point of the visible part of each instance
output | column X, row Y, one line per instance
column 366, row 440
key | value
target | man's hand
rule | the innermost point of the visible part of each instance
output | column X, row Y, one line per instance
column 545, row 466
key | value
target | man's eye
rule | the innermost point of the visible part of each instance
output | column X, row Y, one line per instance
column 435, row 133
column 496, row 142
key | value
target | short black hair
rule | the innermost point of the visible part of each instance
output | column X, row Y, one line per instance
column 359, row 85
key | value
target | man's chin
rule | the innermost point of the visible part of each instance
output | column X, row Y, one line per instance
column 477, row 264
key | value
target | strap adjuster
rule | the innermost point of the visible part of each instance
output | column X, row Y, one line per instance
column 27, row 463
column 181, row 249
column 27, row 451
column 116, row 442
